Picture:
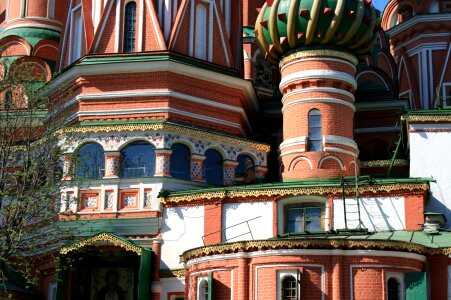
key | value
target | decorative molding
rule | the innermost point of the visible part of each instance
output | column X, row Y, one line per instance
column 383, row 163
column 318, row 53
column 167, row 127
column 445, row 117
column 277, row 192
column 315, row 74
column 309, row 243
column 172, row 273
column 319, row 100
column 102, row 237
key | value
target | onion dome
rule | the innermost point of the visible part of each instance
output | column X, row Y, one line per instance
column 284, row 25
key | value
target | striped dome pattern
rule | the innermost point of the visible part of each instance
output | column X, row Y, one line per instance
column 285, row 25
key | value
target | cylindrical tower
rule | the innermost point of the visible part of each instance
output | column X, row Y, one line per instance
column 316, row 44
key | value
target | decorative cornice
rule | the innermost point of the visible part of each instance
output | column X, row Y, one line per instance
column 102, row 237
column 445, row 117
column 383, row 163
column 172, row 273
column 319, row 53
column 277, row 192
column 168, row 127
column 309, row 243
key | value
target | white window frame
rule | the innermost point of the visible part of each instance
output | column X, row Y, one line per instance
column 51, row 9
column 400, row 278
column 200, row 281
column 281, row 275
column 72, row 57
column 200, row 36
column 282, row 204
column 52, row 290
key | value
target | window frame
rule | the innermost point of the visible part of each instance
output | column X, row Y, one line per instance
column 304, row 206
column 74, row 47
column 295, row 273
column 133, row 36
column 315, row 112
column 401, row 288
column 304, row 201
column 202, row 283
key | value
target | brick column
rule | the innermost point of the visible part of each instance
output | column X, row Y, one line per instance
column 112, row 159
column 162, row 167
column 197, row 167
column 229, row 171
column 156, row 258
column 212, row 223
column 439, row 276
column 243, row 279
column 337, row 277
column 318, row 88
column 260, row 173
column 68, row 166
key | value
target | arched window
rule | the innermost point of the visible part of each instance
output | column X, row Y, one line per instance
column 129, row 27
column 180, row 162
column 289, row 288
column 200, row 42
column 245, row 171
column 393, row 289
column 90, row 162
column 315, row 135
column 138, row 160
column 203, row 290
column 76, row 42
column 213, row 167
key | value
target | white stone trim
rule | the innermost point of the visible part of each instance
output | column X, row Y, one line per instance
column 304, row 252
column 218, row 20
column 320, row 163
column 340, row 140
column 428, row 18
column 157, row 93
column 313, row 74
column 334, row 149
column 155, row 66
column 321, row 90
column 35, row 25
column 106, row 12
column 319, row 100
column 154, row 110
column 323, row 283
column 302, row 140
column 292, row 152
column 140, row 26
column 342, row 61
column 298, row 159
column 420, row 36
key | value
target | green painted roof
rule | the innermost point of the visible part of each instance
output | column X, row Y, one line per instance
column 248, row 32
column 93, row 59
column 439, row 240
column 329, row 182
column 32, row 35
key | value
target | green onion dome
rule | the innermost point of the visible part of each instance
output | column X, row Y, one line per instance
column 285, row 25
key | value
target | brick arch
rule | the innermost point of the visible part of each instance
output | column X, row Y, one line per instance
column 14, row 46
column 297, row 160
column 330, row 158
column 31, row 68
column 131, row 141
column 386, row 62
column 184, row 143
column 392, row 8
column 47, row 49
column 377, row 76
column 79, row 146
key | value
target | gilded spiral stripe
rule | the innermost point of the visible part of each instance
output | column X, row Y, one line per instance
column 311, row 26
column 355, row 25
column 339, row 9
column 291, row 24
column 273, row 29
column 368, row 32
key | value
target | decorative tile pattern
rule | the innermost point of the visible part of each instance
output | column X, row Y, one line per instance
column 130, row 200
column 147, row 198
column 229, row 175
column 90, row 201
column 112, row 163
column 109, row 199
column 163, row 165
column 197, row 170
